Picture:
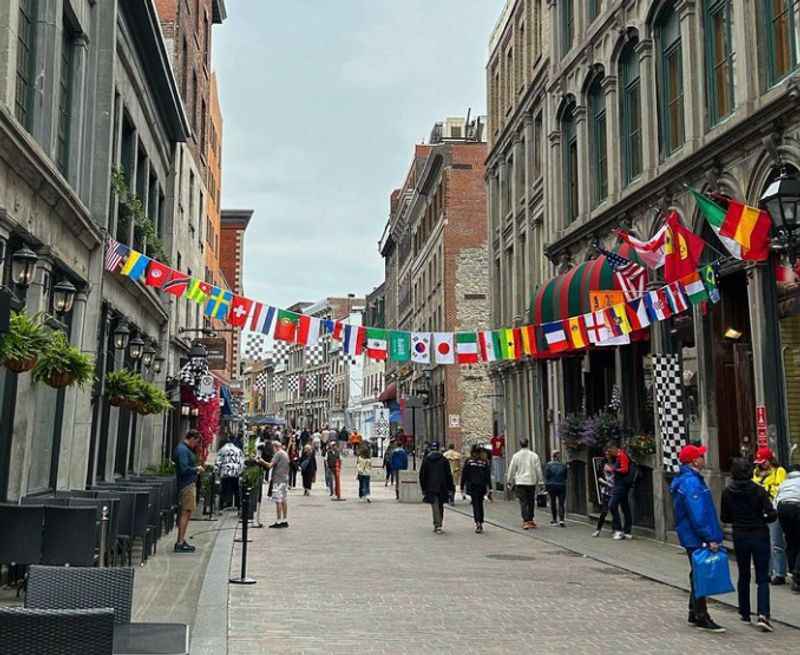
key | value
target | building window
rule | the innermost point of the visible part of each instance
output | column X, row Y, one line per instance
column 507, row 187
column 671, row 82
column 597, row 107
column 536, row 146
column 779, row 23
column 203, row 128
column 206, row 49
column 631, row 114
column 519, row 174
column 719, row 59
column 569, row 136
column 537, row 30
column 567, row 26
column 64, row 100
column 509, row 78
column 185, row 80
column 594, row 9
column 23, row 101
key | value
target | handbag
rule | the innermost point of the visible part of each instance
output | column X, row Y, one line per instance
column 305, row 464
column 711, row 574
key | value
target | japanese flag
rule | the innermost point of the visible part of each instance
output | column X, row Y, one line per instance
column 443, row 348
column 421, row 347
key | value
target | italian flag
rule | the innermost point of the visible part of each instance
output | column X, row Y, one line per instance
column 377, row 344
column 286, row 326
column 467, row 347
column 694, row 288
column 743, row 230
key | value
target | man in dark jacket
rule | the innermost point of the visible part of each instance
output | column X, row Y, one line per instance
column 398, row 462
column 436, row 482
column 619, row 493
column 696, row 523
column 332, row 461
column 555, row 482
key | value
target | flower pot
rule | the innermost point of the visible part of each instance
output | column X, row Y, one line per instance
column 20, row 365
column 117, row 401
column 60, row 379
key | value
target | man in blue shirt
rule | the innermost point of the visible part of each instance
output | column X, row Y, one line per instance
column 399, row 462
column 186, row 470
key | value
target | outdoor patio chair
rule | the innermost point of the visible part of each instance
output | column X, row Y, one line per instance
column 56, row 632
column 59, row 587
column 141, row 510
column 70, row 536
column 113, row 518
column 125, row 519
column 22, row 534
column 44, row 500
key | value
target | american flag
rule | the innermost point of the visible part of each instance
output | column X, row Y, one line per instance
column 631, row 276
column 115, row 254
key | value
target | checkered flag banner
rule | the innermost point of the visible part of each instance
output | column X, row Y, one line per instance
column 328, row 382
column 347, row 358
column 294, row 384
column 314, row 355
column 311, row 384
column 280, row 350
column 261, row 381
column 277, row 383
column 255, row 346
column 669, row 402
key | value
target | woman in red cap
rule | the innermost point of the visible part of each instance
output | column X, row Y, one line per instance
column 770, row 476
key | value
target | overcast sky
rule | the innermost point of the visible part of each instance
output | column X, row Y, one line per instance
column 322, row 103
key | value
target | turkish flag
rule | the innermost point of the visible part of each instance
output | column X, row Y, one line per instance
column 240, row 308
column 157, row 274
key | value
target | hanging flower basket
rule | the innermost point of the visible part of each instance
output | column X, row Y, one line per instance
column 60, row 379
column 20, row 365
column 117, row 401
column 25, row 340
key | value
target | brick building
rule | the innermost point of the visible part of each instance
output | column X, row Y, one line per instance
column 436, row 279
column 233, row 223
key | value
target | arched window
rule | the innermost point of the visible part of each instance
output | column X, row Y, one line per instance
column 670, row 86
column 567, row 26
column 630, row 113
column 719, row 59
column 597, row 108
column 779, row 25
column 569, row 138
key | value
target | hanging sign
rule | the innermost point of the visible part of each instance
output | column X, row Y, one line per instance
column 761, row 426
column 206, row 385
column 217, row 349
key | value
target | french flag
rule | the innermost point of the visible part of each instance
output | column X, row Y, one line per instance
column 353, row 340
column 556, row 337
column 334, row 328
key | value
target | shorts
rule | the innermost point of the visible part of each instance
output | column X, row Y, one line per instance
column 187, row 498
column 279, row 492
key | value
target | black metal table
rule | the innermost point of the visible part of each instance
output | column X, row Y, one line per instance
column 151, row 639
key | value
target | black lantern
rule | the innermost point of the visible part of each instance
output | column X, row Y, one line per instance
column 782, row 201
column 148, row 355
column 158, row 364
column 136, row 348
column 121, row 336
column 23, row 266
column 63, row 297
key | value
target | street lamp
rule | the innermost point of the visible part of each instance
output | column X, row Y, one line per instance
column 158, row 364
column 121, row 336
column 64, row 297
column 23, row 266
column 147, row 356
column 782, row 201
column 136, row 348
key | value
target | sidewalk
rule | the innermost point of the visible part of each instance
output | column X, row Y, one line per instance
column 648, row 558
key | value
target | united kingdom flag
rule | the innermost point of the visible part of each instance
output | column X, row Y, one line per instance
column 632, row 277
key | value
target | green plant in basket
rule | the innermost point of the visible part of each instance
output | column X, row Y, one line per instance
column 121, row 387
column 25, row 340
column 61, row 364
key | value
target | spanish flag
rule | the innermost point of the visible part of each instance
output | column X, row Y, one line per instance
column 577, row 332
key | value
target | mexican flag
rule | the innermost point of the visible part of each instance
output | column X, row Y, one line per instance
column 399, row 346
column 286, row 326
column 743, row 230
column 467, row 347
column 377, row 344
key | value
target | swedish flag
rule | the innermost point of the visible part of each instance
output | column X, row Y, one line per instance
column 219, row 303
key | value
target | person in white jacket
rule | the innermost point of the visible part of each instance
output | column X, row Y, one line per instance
column 787, row 502
column 524, row 473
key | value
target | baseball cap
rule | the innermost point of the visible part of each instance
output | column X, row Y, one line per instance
column 690, row 453
column 434, row 445
column 763, row 455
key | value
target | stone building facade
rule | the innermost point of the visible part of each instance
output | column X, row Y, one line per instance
column 600, row 114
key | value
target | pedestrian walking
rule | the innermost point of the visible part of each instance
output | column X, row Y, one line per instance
column 308, row 468
column 279, row 481
column 748, row 508
column 293, row 453
column 524, row 473
column 364, row 472
column 555, row 483
column 333, row 460
column 696, row 523
column 230, row 463
column 186, row 470
column 624, row 477
column 399, row 463
column 436, row 482
column 770, row 476
column 788, row 503
column 453, row 458
column 387, row 463
column 605, row 485
column 316, row 440
column 476, row 478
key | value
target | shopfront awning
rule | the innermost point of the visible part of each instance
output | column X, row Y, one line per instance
column 389, row 393
column 568, row 294
column 265, row 420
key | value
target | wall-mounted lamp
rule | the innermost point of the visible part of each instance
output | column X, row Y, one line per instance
column 23, row 266
column 732, row 334
column 63, row 297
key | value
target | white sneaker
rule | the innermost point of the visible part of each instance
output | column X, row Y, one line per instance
column 628, row 536
column 618, row 536
column 596, row 533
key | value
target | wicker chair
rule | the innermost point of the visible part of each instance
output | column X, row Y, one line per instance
column 56, row 632
column 56, row 587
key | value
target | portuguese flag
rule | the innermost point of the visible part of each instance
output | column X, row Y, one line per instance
column 743, row 230
column 286, row 325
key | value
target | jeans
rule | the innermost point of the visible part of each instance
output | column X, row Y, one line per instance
column 229, row 492
column 363, row 486
column 789, row 517
column 619, row 498
column 753, row 547
column 437, row 508
column 329, row 481
column 777, row 562
column 698, row 607
column 557, row 497
column 477, row 507
column 527, row 500
column 293, row 475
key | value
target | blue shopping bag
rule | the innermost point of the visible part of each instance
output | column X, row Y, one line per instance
column 711, row 573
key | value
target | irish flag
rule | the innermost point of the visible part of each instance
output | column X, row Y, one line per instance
column 467, row 347
column 743, row 230
column 286, row 327
column 694, row 288
column 377, row 344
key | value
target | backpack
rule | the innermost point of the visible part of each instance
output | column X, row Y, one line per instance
column 633, row 474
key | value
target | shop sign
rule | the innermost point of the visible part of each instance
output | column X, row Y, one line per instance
column 602, row 299
column 455, row 420
column 206, row 385
column 761, row 425
column 217, row 349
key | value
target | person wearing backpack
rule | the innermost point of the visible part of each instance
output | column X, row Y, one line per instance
column 625, row 473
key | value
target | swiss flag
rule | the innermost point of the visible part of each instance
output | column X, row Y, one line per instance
column 157, row 274
column 240, row 309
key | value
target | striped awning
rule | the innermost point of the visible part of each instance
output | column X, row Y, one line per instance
column 568, row 294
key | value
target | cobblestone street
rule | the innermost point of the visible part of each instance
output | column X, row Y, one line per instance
column 350, row 577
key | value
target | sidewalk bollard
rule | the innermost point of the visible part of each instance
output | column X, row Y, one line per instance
column 243, row 579
column 103, row 535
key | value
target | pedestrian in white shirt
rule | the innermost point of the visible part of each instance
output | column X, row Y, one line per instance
column 524, row 473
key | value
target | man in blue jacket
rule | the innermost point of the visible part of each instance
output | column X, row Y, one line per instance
column 696, row 523
column 399, row 462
